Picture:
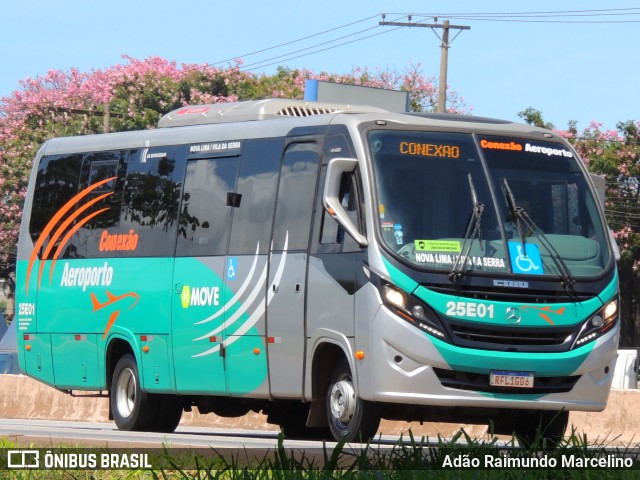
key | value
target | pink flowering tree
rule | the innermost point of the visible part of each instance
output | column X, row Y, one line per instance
column 616, row 155
column 423, row 91
column 63, row 103
column 138, row 93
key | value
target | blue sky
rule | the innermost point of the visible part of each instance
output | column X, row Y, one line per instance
column 568, row 71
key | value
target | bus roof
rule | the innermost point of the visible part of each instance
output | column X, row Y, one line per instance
column 277, row 117
column 256, row 110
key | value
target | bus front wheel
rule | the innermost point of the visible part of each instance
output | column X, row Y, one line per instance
column 169, row 413
column 130, row 406
column 542, row 428
column 350, row 418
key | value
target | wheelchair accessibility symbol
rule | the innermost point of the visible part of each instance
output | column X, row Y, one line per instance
column 232, row 268
column 525, row 260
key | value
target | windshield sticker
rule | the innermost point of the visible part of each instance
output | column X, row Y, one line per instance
column 525, row 260
column 429, row 150
column 381, row 210
column 438, row 246
column 397, row 232
column 387, row 226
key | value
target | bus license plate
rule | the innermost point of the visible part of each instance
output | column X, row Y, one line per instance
column 501, row 378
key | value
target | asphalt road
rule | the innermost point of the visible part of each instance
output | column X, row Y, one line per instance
column 24, row 431
column 243, row 445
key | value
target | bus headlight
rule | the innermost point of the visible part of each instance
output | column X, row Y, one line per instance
column 395, row 297
column 413, row 311
column 598, row 324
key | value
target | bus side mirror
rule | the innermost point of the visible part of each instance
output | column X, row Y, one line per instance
column 331, row 196
column 600, row 184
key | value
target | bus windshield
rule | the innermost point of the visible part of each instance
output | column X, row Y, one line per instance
column 465, row 204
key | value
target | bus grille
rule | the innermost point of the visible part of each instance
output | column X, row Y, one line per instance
column 501, row 295
column 480, row 383
column 512, row 338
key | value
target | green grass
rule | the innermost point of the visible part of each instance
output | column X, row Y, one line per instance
column 410, row 458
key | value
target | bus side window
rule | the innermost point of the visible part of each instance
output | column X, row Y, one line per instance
column 152, row 200
column 257, row 182
column 89, row 240
column 296, row 189
column 205, row 214
column 56, row 183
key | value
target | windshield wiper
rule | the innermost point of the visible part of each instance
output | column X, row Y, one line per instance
column 521, row 218
column 474, row 229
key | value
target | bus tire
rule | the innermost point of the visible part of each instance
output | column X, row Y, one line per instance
column 538, row 428
column 350, row 418
column 543, row 428
column 294, row 424
column 169, row 413
column 131, row 407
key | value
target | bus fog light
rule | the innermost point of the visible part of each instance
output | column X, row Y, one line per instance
column 597, row 321
column 418, row 311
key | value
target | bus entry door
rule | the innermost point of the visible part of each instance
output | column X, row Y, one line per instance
column 198, row 307
column 288, row 268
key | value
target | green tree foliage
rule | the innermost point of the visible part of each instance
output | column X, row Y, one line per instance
column 534, row 117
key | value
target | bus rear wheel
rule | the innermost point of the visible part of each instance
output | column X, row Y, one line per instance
column 132, row 408
column 350, row 418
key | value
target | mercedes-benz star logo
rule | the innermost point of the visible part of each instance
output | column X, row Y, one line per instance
column 513, row 316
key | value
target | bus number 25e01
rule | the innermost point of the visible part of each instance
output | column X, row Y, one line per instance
column 469, row 309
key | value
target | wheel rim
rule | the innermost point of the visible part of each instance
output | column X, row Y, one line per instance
column 342, row 401
column 126, row 392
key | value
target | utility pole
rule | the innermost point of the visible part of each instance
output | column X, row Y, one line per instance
column 444, row 51
column 107, row 114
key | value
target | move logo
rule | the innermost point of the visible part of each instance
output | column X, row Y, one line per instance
column 199, row 296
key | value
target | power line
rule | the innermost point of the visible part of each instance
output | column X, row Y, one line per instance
column 515, row 17
column 244, row 55
column 551, row 12
column 540, row 14
column 534, row 17
column 482, row 19
column 262, row 65
column 314, row 46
